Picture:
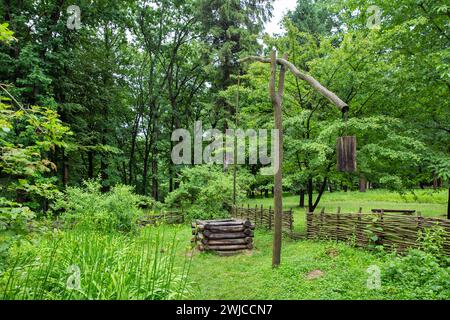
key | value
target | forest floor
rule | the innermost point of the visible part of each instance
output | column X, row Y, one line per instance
column 341, row 270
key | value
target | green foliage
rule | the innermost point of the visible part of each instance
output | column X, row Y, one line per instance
column 6, row 35
column 440, row 165
column 26, row 138
column 14, row 217
column 88, row 208
column 311, row 16
column 417, row 276
column 432, row 241
column 423, row 273
column 111, row 266
column 206, row 192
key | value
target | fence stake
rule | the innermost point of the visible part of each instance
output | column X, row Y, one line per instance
column 359, row 232
column 321, row 224
column 309, row 231
column 337, row 223
column 270, row 217
column 261, row 215
column 291, row 220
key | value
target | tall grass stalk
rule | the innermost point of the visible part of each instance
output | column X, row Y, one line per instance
column 113, row 266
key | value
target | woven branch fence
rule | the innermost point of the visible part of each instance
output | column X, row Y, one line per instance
column 369, row 229
column 263, row 217
column 172, row 217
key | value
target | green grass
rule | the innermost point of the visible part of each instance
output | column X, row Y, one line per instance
column 250, row 276
column 344, row 268
column 109, row 266
column 427, row 202
column 152, row 264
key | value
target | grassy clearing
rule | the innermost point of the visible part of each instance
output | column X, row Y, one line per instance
column 250, row 276
column 344, row 268
column 152, row 264
column 344, row 274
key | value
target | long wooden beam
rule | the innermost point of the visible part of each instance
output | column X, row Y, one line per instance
column 332, row 97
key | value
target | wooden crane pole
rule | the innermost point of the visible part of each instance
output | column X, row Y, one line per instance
column 277, row 99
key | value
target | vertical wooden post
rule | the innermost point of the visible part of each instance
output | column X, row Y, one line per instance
column 278, row 180
column 359, row 232
column 247, row 214
column 256, row 215
column 337, row 222
column 261, row 216
column 309, row 229
column 322, row 233
column 419, row 221
column 270, row 217
column 291, row 220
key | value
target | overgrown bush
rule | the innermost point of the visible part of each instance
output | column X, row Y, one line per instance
column 423, row 273
column 87, row 206
column 206, row 192
column 82, row 264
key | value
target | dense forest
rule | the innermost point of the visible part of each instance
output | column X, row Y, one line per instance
column 137, row 70
column 91, row 94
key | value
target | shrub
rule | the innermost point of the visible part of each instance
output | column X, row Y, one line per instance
column 82, row 264
column 206, row 192
column 14, row 224
column 423, row 273
column 115, row 210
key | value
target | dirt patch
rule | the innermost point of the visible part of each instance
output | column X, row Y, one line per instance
column 315, row 274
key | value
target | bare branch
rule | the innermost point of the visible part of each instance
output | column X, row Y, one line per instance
column 332, row 97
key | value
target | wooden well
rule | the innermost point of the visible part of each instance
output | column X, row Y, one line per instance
column 224, row 237
column 346, row 154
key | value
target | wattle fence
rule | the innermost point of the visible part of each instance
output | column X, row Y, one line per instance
column 263, row 217
column 393, row 231
column 171, row 217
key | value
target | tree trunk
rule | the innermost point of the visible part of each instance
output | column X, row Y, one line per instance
column 155, row 154
column 90, row 164
column 310, row 195
column 104, row 170
column 133, row 149
column 362, row 184
column 65, row 168
column 302, row 198
column 145, row 173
